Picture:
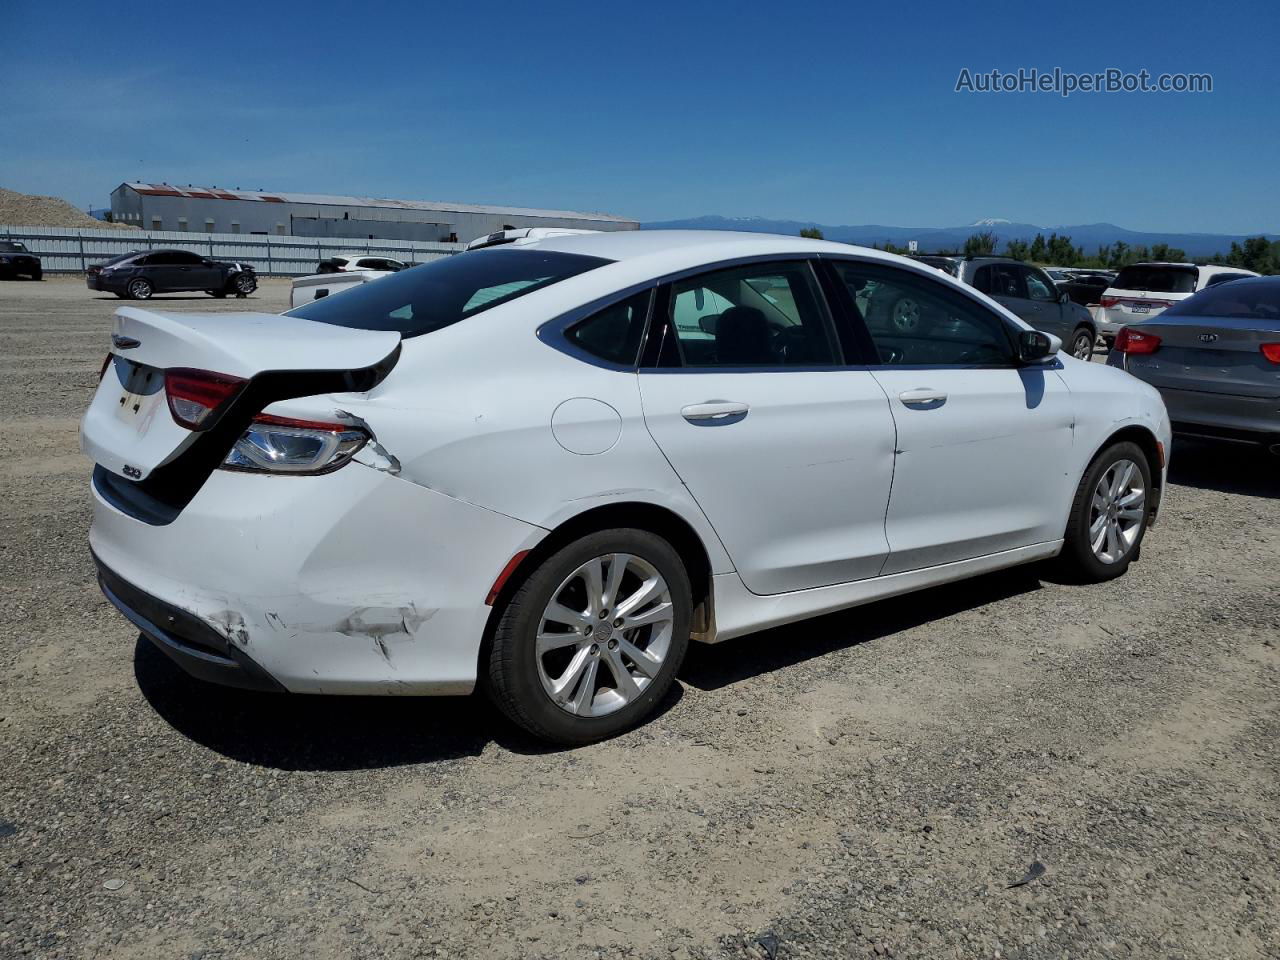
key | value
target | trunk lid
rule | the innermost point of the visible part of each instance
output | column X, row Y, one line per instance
column 128, row 428
column 1209, row 355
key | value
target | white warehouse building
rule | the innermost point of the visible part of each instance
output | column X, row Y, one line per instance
column 163, row 206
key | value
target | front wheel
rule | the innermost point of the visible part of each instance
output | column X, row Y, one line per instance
column 591, row 641
column 1109, row 514
column 139, row 289
column 1082, row 343
column 244, row 284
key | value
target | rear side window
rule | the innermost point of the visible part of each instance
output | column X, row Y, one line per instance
column 1156, row 279
column 763, row 315
column 614, row 333
column 440, row 293
column 1224, row 277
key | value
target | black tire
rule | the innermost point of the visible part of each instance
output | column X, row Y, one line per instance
column 512, row 680
column 38, row 275
column 1082, row 340
column 1078, row 559
column 139, row 288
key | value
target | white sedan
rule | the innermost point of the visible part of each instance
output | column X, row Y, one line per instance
column 546, row 468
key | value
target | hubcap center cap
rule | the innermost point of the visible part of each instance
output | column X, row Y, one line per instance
column 601, row 633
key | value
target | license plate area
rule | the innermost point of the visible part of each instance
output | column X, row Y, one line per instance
column 141, row 393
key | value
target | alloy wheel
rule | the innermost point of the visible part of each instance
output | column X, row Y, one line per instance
column 604, row 635
column 1082, row 348
column 140, row 289
column 1117, row 511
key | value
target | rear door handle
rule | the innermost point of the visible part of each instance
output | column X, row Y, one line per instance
column 714, row 410
column 922, row 395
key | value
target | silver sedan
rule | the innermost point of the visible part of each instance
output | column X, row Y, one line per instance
column 1215, row 358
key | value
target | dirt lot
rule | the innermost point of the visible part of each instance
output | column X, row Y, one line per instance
column 870, row 783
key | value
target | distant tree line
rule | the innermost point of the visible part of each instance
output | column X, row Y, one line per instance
column 1256, row 253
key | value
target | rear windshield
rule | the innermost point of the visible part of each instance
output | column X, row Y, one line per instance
column 12, row 246
column 1241, row 300
column 1156, row 279
column 120, row 258
column 444, row 291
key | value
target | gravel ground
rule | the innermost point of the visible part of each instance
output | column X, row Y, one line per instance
column 868, row 784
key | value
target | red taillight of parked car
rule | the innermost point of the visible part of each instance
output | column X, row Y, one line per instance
column 1271, row 351
column 1110, row 301
column 1133, row 341
column 196, row 397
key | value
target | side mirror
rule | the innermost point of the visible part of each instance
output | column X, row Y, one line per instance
column 1064, row 297
column 1035, row 346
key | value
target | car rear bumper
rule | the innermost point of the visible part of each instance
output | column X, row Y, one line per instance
column 1221, row 416
column 354, row 582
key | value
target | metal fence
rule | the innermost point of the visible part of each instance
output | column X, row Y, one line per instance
column 71, row 251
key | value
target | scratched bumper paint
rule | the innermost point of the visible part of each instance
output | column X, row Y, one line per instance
column 383, row 596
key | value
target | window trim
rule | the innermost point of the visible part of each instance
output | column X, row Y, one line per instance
column 871, row 359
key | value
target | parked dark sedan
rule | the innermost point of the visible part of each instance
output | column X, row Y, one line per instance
column 17, row 261
column 138, row 275
column 1215, row 358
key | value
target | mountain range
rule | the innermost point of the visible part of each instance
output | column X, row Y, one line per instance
column 1090, row 236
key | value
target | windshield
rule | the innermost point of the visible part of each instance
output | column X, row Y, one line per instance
column 1240, row 300
column 440, row 293
column 1156, row 279
column 12, row 246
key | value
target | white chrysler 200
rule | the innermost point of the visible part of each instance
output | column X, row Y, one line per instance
column 548, row 467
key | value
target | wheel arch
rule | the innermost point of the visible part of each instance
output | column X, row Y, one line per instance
column 651, row 517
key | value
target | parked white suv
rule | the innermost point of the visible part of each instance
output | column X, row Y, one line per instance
column 1141, row 291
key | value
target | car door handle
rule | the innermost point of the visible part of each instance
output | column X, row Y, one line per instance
column 714, row 410
column 922, row 395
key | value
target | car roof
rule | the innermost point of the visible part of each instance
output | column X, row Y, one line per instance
column 676, row 249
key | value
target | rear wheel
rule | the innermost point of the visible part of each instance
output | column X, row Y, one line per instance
column 1109, row 514
column 38, row 274
column 139, row 289
column 1082, row 343
column 590, row 643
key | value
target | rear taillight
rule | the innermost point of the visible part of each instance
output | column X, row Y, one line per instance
column 1110, row 301
column 197, row 397
column 284, row 445
column 1271, row 351
column 1129, row 340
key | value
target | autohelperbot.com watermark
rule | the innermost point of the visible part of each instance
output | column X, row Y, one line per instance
column 1065, row 83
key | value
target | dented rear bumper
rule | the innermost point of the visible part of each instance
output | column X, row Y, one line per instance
column 355, row 582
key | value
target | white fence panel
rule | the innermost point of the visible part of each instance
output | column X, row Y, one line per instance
column 71, row 251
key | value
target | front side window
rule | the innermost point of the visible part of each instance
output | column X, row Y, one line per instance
column 916, row 321
column 1039, row 286
column 445, row 291
column 614, row 333
column 762, row 315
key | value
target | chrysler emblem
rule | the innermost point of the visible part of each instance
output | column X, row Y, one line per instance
column 1208, row 337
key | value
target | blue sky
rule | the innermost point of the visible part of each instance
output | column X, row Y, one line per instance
column 838, row 113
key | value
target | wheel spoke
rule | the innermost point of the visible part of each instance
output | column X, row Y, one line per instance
column 617, row 567
column 546, row 642
column 1113, row 540
column 586, row 687
column 645, row 662
column 559, row 613
column 1097, row 526
column 1131, row 498
column 593, row 576
column 655, row 614
column 1130, row 513
column 624, row 683
column 649, row 591
column 563, row 686
column 1096, row 544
